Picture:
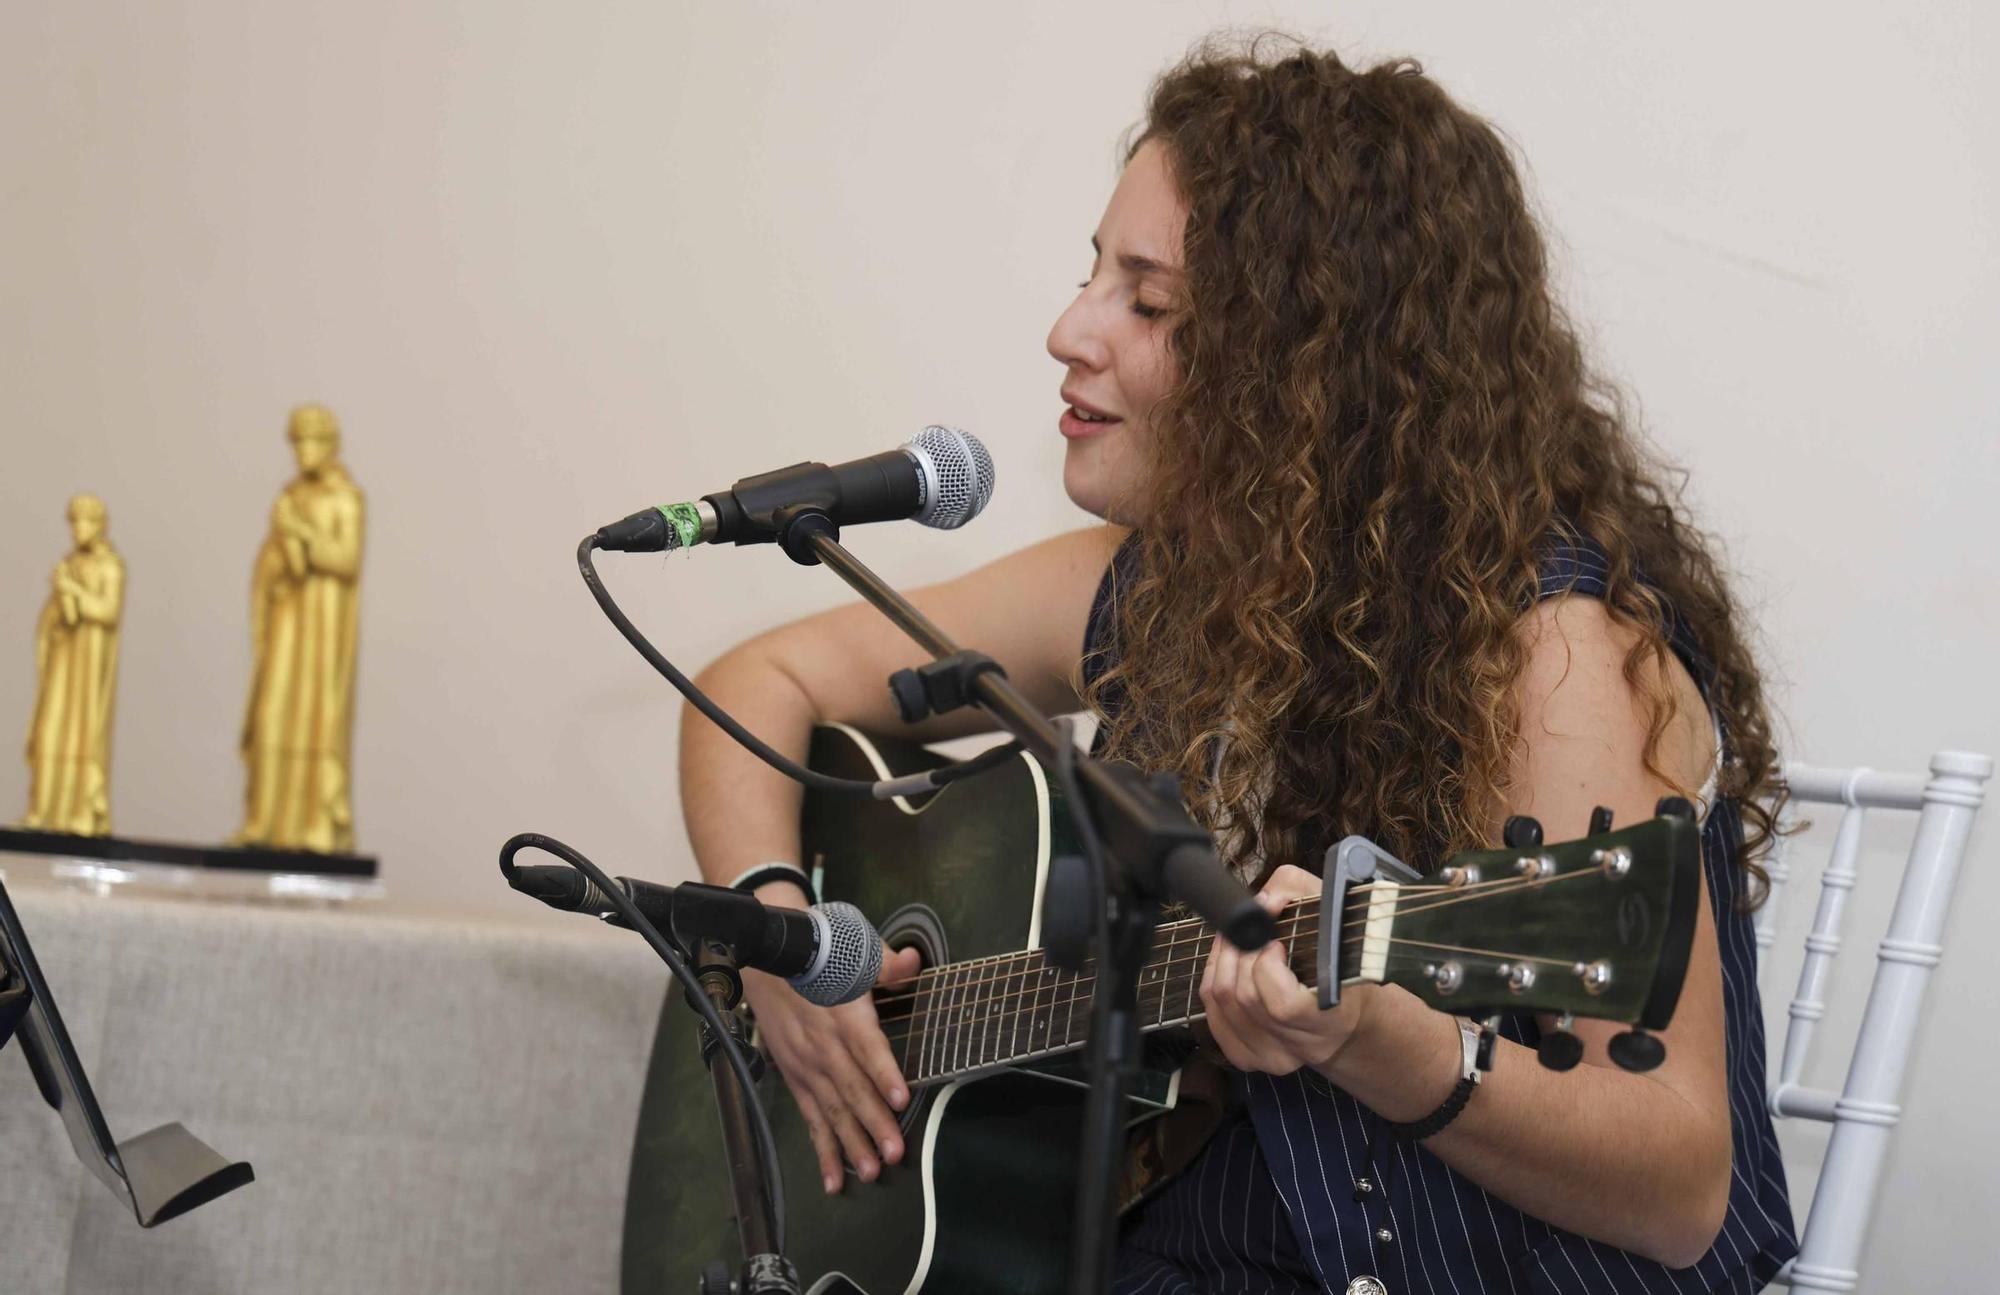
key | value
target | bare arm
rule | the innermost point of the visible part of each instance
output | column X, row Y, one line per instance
column 1641, row 1161
column 1028, row 611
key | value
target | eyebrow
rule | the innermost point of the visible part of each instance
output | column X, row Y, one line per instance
column 1136, row 264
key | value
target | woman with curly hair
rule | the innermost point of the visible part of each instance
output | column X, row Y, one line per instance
column 1380, row 556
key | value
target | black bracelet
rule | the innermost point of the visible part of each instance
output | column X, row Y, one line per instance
column 1438, row 1118
column 1476, row 1055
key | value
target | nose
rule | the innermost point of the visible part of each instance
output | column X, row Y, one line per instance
column 1076, row 341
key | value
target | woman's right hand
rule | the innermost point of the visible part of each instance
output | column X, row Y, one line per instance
column 837, row 1062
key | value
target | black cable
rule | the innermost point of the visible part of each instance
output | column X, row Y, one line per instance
column 767, row 1144
column 1086, row 832
column 749, row 741
column 980, row 763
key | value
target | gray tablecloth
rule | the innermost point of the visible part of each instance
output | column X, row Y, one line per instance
column 431, row 1106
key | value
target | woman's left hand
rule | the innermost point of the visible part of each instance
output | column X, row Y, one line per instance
column 1260, row 1014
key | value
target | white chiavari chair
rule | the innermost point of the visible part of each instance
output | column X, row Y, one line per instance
column 1865, row 1111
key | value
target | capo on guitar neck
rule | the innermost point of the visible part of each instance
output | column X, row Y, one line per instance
column 1354, row 859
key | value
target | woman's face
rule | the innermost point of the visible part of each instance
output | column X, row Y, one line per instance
column 1112, row 341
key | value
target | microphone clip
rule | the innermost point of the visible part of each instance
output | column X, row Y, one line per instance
column 939, row 686
column 798, row 526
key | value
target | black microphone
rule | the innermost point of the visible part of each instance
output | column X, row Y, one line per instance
column 942, row 477
column 828, row 952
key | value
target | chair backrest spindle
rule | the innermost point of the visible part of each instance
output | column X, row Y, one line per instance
column 1865, row 1111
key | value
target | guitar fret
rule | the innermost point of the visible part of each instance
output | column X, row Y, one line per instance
column 1041, row 1010
column 992, row 994
column 915, row 1021
column 934, row 1024
column 949, row 1036
column 1052, row 1032
column 982, row 998
column 941, row 1022
column 973, row 1018
column 968, row 1038
column 1200, row 964
column 996, row 993
column 1019, row 1002
column 1069, row 1020
column 1154, row 977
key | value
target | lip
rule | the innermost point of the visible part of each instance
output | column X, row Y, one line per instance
column 1076, row 428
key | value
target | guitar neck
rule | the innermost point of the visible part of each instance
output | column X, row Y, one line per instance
column 965, row 1017
column 1599, row 927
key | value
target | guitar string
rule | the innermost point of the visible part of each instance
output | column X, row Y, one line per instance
column 956, row 1043
column 1306, row 906
column 1299, row 911
column 991, row 1019
column 991, row 1011
column 997, row 1011
column 1006, row 966
column 923, row 1025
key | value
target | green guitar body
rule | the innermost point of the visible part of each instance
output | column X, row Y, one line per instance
column 984, row 1198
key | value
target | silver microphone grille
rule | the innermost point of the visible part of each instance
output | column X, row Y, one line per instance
column 957, row 473
column 848, row 960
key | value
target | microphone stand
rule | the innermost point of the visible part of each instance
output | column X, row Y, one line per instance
column 765, row 1271
column 1155, row 853
column 707, row 925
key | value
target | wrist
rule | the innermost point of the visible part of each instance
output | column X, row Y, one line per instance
column 1468, row 1072
column 782, row 894
column 1402, row 1060
column 778, row 882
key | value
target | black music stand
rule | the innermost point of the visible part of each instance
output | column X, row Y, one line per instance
column 162, row 1173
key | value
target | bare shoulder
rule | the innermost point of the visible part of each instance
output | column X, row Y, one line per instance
column 1583, row 725
column 1032, row 605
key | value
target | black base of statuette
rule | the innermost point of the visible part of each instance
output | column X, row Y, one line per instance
column 241, row 858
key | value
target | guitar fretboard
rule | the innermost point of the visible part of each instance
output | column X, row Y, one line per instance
column 966, row 1017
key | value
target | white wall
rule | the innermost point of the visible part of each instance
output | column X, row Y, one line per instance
column 551, row 263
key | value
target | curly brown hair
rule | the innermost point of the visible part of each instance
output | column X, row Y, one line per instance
column 1382, row 418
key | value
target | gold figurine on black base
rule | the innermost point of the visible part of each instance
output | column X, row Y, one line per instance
column 76, row 662
column 304, row 595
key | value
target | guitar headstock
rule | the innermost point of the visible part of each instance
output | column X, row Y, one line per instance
column 1598, row 927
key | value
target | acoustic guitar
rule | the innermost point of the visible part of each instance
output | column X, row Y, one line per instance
column 989, row 1036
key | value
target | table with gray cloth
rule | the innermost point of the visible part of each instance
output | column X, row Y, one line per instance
column 431, row 1105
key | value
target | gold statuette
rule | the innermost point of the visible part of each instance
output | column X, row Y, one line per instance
column 76, row 660
column 304, row 595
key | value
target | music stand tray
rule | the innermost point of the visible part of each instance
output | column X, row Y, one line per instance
column 162, row 1173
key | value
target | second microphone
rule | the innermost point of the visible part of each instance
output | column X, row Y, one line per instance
column 829, row 952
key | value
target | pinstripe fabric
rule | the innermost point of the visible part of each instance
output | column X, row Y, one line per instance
column 1270, row 1204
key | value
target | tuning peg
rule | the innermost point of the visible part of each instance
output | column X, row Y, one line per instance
column 1674, row 807
column 1637, row 1051
column 1522, row 833
column 1559, row 1049
column 1600, row 820
column 1069, row 913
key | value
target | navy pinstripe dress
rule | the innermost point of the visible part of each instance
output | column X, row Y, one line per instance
column 1270, row 1204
